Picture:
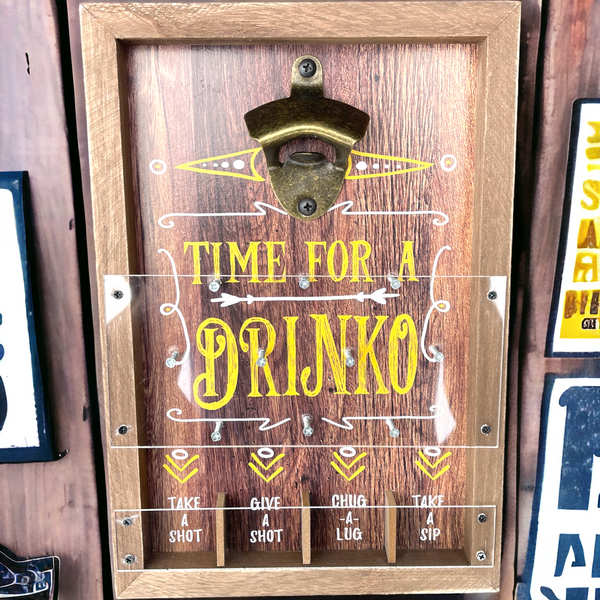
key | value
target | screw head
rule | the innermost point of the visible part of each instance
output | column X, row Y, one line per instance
column 117, row 294
column 123, row 429
column 492, row 295
column 395, row 283
column 170, row 362
column 127, row 521
column 481, row 555
column 307, row 67
column 308, row 431
column 304, row 283
column 215, row 436
column 395, row 432
column 129, row 559
column 350, row 362
column 307, row 207
column 214, row 285
column 482, row 517
column 486, row 429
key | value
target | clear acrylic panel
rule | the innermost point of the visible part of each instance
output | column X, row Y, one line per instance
column 184, row 535
column 375, row 364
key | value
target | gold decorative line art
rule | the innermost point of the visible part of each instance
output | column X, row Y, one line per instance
column 429, row 474
column 190, row 166
column 421, row 165
column 337, row 468
column 266, row 467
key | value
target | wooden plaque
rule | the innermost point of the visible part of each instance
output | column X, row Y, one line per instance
column 298, row 406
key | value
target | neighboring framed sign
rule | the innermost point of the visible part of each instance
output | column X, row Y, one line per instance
column 34, row 578
column 564, row 542
column 574, row 324
column 303, row 319
column 25, row 434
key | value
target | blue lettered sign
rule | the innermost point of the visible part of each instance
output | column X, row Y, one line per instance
column 563, row 560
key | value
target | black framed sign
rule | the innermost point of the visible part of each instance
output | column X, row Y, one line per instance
column 575, row 321
column 25, row 434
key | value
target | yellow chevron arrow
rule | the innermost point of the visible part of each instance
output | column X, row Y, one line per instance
column 337, row 468
column 181, row 469
column 433, row 466
column 266, row 467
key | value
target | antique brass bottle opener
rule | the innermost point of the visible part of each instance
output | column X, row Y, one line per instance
column 307, row 184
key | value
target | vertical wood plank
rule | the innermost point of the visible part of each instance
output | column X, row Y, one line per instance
column 305, row 526
column 50, row 507
column 390, row 526
column 569, row 72
column 531, row 11
column 220, row 529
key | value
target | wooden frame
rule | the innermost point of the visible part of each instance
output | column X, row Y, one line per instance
column 494, row 26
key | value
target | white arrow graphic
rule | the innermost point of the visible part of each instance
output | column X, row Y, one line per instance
column 229, row 300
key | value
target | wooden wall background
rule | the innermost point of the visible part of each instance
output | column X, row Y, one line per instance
column 58, row 507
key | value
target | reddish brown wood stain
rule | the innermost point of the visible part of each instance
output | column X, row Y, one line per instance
column 187, row 103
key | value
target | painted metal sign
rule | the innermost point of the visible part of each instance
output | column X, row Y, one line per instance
column 564, row 545
column 575, row 324
column 24, row 422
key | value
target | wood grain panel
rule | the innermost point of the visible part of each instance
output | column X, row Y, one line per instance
column 187, row 103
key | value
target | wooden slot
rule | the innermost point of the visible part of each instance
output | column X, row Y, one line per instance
column 305, row 526
column 220, row 528
column 390, row 526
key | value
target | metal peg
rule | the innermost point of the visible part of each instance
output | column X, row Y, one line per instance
column 308, row 430
column 304, row 282
column 395, row 283
column 215, row 436
column 437, row 355
column 350, row 362
column 394, row 431
column 172, row 360
column 261, row 361
column 215, row 285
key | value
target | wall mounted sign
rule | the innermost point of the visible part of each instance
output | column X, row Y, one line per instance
column 303, row 331
column 24, row 423
column 564, row 543
column 34, row 579
column 574, row 326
